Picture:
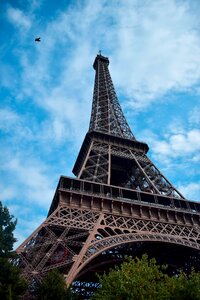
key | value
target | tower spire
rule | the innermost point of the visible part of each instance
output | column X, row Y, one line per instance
column 107, row 115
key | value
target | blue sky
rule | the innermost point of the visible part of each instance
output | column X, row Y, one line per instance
column 46, row 90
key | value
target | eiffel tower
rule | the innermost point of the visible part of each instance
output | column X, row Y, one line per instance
column 119, row 204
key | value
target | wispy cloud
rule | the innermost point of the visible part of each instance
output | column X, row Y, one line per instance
column 194, row 116
column 18, row 18
column 164, row 54
column 181, row 144
column 191, row 190
column 8, row 118
column 30, row 179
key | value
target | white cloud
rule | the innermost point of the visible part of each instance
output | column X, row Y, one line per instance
column 176, row 153
column 7, row 75
column 194, row 116
column 34, row 5
column 161, row 41
column 7, row 192
column 18, row 18
column 31, row 183
column 191, row 190
column 177, row 157
column 8, row 118
column 176, row 145
column 16, row 126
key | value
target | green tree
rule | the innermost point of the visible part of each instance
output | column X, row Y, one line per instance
column 12, row 285
column 185, row 287
column 144, row 279
column 134, row 279
column 7, row 226
column 53, row 287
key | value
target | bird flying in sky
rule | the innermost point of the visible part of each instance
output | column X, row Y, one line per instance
column 37, row 39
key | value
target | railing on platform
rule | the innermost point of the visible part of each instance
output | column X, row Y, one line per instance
column 126, row 195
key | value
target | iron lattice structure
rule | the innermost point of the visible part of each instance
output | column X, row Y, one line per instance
column 119, row 204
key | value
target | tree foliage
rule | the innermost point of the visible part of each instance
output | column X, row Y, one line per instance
column 185, row 287
column 12, row 285
column 7, row 226
column 144, row 279
column 53, row 287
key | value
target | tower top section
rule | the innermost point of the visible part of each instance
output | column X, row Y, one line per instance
column 101, row 58
column 107, row 116
column 110, row 154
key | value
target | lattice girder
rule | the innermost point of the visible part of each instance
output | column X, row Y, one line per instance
column 96, row 166
column 107, row 115
column 111, row 232
column 54, row 244
column 71, row 237
column 134, row 169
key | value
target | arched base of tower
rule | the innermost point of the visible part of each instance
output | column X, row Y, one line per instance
column 177, row 258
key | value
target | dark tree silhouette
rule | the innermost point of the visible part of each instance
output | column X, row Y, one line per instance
column 12, row 285
column 53, row 287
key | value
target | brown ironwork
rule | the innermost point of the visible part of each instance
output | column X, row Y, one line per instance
column 119, row 204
